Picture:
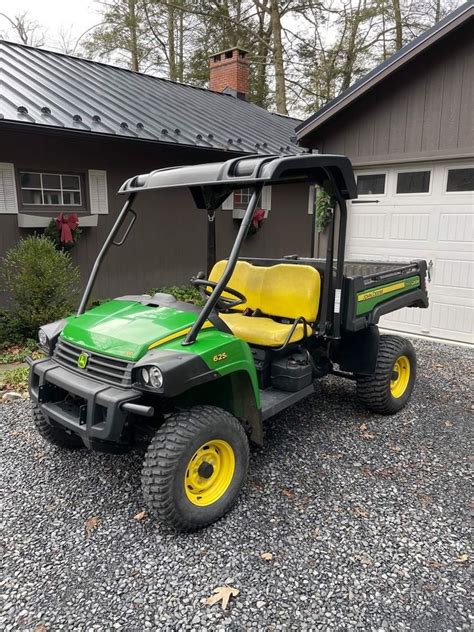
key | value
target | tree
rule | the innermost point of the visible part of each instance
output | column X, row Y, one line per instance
column 28, row 31
column 122, row 36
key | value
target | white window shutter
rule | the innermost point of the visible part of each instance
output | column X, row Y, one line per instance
column 266, row 199
column 98, row 192
column 228, row 203
column 8, row 197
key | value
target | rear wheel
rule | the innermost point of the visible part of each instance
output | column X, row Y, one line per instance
column 389, row 389
column 53, row 434
column 195, row 467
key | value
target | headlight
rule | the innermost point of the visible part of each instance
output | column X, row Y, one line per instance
column 145, row 376
column 156, row 377
column 43, row 338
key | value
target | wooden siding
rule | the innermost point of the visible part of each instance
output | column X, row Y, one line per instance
column 168, row 242
column 423, row 111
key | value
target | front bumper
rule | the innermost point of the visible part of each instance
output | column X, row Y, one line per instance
column 89, row 408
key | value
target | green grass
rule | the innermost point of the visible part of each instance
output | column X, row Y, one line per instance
column 15, row 379
column 10, row 353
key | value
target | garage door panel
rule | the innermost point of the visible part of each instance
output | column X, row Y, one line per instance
column 455, row 227
column 456, row 319
column 409, row 227
column 368, row 226
column 453, row 274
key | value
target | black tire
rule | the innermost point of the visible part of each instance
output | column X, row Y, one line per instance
column 168, row 459
column 53, row 434
column 375, row 392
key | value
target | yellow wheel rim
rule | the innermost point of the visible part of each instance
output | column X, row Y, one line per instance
column 209, row 472
column 400, row 376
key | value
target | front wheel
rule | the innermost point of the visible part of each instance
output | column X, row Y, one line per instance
column 389, row 389
column 195, row 467
column 54, row 434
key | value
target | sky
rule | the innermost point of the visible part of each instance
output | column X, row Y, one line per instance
column 69, row 16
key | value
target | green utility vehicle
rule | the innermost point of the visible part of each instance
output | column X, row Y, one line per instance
column 204, row 379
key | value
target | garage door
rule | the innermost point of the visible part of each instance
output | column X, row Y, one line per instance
column 421, row 211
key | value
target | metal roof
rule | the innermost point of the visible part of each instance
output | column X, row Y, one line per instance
column 54, row 90
column 380, row 72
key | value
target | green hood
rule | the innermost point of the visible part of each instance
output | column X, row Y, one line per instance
column 126, row 329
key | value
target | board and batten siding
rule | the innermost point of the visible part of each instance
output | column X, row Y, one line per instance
column 423, row 111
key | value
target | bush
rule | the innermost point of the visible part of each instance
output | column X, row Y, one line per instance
column 42, row 282
column 186, row 293
column 9, row 329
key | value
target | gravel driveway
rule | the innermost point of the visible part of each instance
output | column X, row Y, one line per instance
column 366, row 518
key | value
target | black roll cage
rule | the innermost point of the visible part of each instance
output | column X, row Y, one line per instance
column 211, row 183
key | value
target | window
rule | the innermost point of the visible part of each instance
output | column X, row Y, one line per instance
column 460, row 179
column 371, row 184
column 413, row 182
column 50, row 189
column 242, row 198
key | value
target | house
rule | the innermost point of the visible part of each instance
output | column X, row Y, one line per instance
column 407, row 126
column 72, row 130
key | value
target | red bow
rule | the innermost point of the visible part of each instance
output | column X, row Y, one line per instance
column 258, row 217
column 66, row 224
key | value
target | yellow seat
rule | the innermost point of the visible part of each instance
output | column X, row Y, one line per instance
column 265, row 332
column 285, row 290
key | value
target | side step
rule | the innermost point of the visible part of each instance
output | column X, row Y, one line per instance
column 274, row 401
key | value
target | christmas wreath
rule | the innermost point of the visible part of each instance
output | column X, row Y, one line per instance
column 64, row 231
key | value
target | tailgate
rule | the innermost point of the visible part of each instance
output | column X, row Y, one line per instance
column 367, row 298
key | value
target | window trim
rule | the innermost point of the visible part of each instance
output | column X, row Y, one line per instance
column 80, row 209
column 453, row 167
column 416, row 170
column 372, row 172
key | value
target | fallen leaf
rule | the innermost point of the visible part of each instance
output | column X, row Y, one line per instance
column 433, row 564
column 336, row 456
column 360, row 511
column 365, row 559
column 363, row 427
column 91, row 524
column 385, row 472
column 141, row 515
column 448, row 423
column 287, row 493
column 426, row 501
column 367, row 436
column 394, row 448
column 462, row 558
column 266, row 556
column 439, row 366
column 222, row 593
column 366, row 471
column 40, row 628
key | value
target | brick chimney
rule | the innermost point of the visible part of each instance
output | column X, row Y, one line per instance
column 229, row 72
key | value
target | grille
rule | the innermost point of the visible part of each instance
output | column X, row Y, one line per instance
column 100, row 367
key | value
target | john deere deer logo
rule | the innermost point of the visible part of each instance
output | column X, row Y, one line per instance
column 82, row 360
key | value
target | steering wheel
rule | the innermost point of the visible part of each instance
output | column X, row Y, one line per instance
column 223, row 303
